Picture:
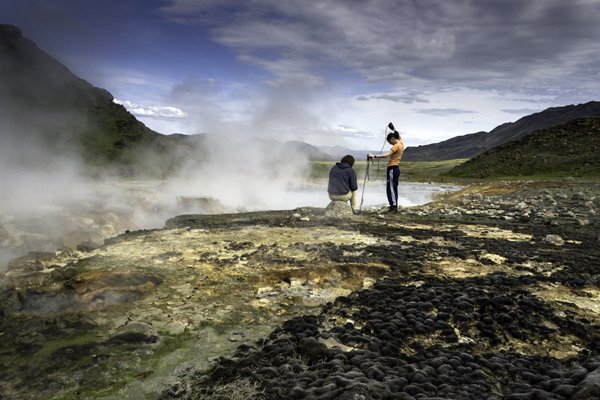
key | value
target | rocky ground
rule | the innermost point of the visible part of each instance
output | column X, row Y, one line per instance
column 491, row 292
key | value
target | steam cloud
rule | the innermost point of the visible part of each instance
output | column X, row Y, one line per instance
column 48, row 202
column 49, row 199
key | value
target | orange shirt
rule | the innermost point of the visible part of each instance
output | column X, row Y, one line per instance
column 398, row 149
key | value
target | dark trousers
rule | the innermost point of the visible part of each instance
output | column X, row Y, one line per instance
column 393, row 175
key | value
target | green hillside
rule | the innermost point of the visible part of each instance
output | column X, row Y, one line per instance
column 50, row 112
column 471, row 145
column 570, row 149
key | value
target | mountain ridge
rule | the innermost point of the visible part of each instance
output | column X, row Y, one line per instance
column 470, row 145
column 569, row 149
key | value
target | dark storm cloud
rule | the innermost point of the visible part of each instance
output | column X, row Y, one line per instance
column 480, row 44
column 518, row 41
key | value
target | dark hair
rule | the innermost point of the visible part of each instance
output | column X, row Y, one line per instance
column 394, row 135
column 348, row 159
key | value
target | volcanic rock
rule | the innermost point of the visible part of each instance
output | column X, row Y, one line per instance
column 447, row 300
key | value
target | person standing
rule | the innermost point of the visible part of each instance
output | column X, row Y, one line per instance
column 342, row 183
column 394, row 154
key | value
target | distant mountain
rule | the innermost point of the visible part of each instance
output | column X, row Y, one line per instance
column 570, row 149
column 312, row 152
column 337, row 152
column 468, row 146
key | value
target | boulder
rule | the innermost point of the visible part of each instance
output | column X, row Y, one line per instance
column 338, row 209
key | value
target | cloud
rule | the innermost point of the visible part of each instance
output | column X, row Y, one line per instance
column 350, row 132
column 283, row 110
column 160, row 112
column 406, row 99
column 299, row 69
column 212, row 105
column 344, row 128
column 479, row 44
column 443, row 112
column 521, row 111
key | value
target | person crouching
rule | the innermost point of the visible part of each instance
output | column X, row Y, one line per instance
column 342, row 183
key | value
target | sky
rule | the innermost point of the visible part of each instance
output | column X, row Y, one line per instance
column 328, row 73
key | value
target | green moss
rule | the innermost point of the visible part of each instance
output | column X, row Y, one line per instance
column 49, row 349
column 124, row 365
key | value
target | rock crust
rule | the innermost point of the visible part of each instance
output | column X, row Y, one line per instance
column 472, row 296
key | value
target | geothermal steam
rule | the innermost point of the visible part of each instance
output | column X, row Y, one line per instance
column 47, row 202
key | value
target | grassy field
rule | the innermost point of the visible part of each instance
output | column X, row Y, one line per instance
column 571, row 149
column 414, row 171
column 436, row 171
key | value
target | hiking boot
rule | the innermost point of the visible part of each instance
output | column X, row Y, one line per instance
column 393, row 210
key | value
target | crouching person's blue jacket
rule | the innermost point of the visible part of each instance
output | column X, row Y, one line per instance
column 342, row 179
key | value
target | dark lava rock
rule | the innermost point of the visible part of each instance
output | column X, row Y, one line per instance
column 421, row 334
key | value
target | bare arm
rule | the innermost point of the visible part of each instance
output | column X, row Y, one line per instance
column 382, row 155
